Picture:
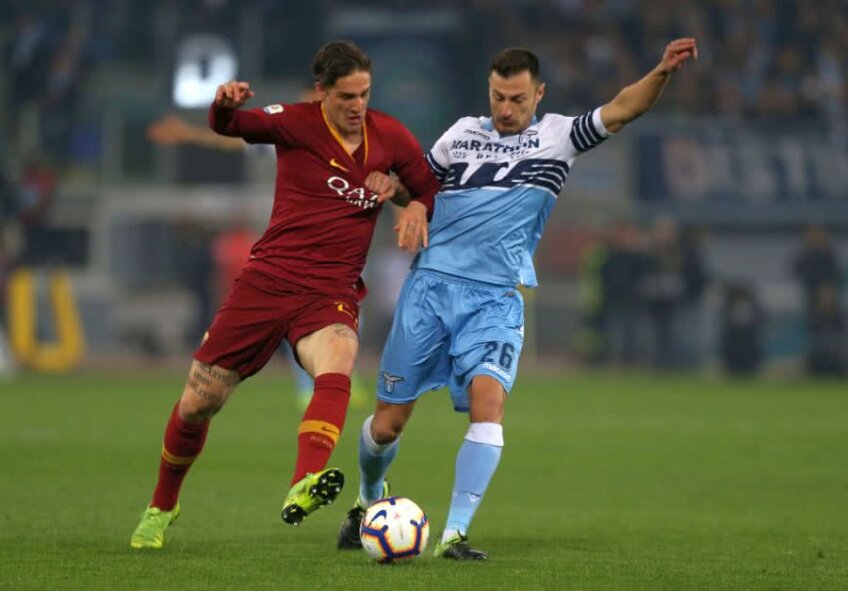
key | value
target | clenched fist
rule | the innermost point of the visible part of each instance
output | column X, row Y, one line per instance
column 233, row 94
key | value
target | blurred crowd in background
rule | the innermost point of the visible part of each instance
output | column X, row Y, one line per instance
column 760, row 58
column 645, row 293
column 83, row 81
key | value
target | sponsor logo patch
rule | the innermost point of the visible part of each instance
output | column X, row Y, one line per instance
column 497, row 370
column 273, row 109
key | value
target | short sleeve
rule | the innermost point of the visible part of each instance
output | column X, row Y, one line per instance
column 588, row 131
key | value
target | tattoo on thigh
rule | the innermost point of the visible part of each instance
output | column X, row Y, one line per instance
column 198, row 376
column 343, row 330
column 205, row 394
column 208, row 372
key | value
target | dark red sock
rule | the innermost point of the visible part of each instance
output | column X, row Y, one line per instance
column 183, row 442
column 322, row 423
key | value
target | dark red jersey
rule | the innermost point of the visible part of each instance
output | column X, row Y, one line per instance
column 323, row 217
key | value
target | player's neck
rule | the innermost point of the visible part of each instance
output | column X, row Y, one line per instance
column 353, row 137
column 350, row 140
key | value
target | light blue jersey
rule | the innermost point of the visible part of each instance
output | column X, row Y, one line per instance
column 497, row 193
column 459, row 315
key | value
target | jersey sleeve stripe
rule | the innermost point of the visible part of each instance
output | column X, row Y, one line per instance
column 580, row 142
column 584, row 135
column 589, row 127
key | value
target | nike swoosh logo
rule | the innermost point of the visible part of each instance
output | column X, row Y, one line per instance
column 335, row 164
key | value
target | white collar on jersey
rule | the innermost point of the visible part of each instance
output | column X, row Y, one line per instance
column 489, row 125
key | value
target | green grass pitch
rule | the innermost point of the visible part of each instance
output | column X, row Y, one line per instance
column 606, row 482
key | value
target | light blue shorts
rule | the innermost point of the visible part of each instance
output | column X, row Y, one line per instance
column 445, row 331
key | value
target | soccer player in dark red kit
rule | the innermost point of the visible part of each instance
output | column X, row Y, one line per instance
column 302, row 281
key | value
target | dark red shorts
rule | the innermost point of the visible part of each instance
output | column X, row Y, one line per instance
column 257, row 316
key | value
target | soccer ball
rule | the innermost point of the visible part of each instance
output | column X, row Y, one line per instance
column 393, row 529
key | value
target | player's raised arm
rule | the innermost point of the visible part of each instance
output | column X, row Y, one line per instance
column 640, row 96
column 226, row 119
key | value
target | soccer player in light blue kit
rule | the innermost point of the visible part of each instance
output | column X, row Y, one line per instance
column 460, row 320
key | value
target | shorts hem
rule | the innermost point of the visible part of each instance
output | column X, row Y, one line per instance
column 396, row 401
column 242, row 374
column 480, row 371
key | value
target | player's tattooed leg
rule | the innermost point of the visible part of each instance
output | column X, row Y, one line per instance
column 206, row 390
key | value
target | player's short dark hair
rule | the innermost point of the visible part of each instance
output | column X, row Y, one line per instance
column 515, row 60
column 338, row 59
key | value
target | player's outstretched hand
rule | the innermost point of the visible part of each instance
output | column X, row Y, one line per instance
column 411, row 227
column 677, row 53
column 233, row 94
column 382, row 184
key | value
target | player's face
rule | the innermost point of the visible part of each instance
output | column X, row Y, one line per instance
column 346, row 101
column 513, row 101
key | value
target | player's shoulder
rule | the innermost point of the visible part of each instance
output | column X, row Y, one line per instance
column 385, row 122
column 472, row 123
column 555, row 122
column 476, row 126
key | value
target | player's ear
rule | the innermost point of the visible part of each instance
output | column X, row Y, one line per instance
column 540, row 92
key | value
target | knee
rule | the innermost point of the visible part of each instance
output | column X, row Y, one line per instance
column 202, row 405
column 386, row 428
column 339, row 356
column 344, row 363
column 488, row 411
column 487, row 400
column 344, row 352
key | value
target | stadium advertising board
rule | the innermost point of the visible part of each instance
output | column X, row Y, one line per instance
column 743, row 173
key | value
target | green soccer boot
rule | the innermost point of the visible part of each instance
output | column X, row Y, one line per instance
column 150, row 532
column 311, row 493
column 457, row 547
column 349, row 532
